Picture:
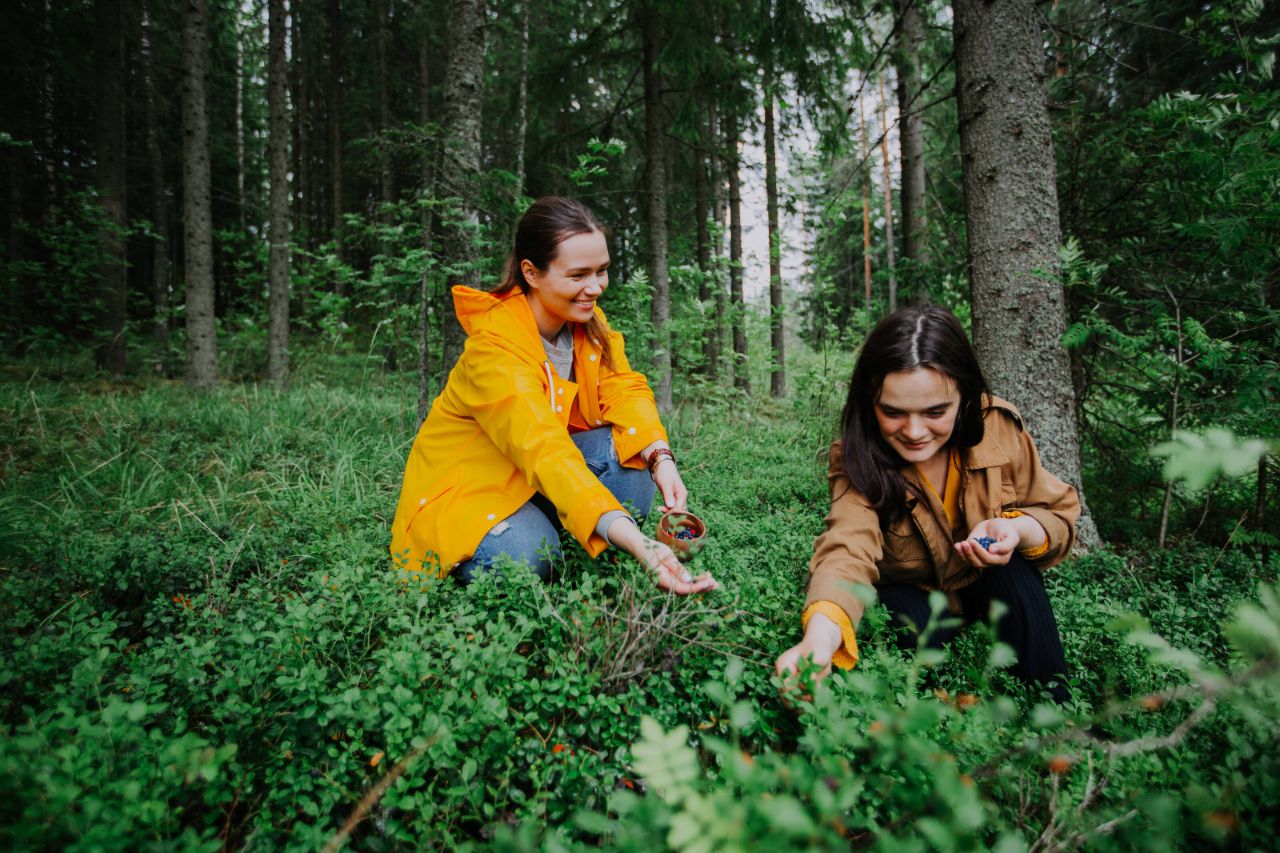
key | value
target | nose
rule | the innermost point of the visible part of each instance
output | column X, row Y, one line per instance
column 915, row 429
column 596, row 284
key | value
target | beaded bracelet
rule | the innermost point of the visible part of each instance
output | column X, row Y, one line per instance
column 657, row 456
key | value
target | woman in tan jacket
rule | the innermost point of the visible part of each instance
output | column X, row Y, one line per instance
column 935, row 485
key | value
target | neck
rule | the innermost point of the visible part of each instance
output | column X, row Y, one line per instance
column 548, row 326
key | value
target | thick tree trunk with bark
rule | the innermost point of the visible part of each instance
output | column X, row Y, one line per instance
column 1011, row 208
column 889, row 249
column 738, row 307
column 278, row 226
column 110, row 178
column 522, row 99
column 386, row 177
column 425, row 370
column 460, row 163
column 701, row 210
column 911, row 129
column 778, row 372
column 335, row 124
column 202, row 341
column 160, row 267
column 656, row 184
column 866, row 206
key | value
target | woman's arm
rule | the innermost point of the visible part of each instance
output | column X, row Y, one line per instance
column 659, row 559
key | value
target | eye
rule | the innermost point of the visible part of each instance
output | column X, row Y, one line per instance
column 936, row 413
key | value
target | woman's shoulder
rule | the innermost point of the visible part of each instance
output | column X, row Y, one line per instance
column 1001, row 414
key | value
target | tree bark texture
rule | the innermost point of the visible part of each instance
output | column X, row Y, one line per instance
column 778, row 370
column 335, row 124
column 386, row 177
column 866, row 206
column 522, row 99
column 1011, row 209
column 460, row 162
column 278, row 205
column 889, row 260
column 425, row 368
column 701, row 210
column 738, row 307
column 110, row 177
column 656, row 184
column 911, row 130
column 202, row 342
column 160, row 267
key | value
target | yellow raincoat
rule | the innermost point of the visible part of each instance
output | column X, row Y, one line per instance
column 499, row 432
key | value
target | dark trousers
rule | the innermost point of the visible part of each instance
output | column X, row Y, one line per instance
column 1028, row 626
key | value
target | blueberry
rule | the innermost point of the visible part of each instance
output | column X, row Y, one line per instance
column 986, row 542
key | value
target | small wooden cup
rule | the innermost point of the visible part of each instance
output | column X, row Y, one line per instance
column 675, row 521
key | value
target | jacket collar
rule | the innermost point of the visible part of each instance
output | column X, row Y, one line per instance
column 504, row 314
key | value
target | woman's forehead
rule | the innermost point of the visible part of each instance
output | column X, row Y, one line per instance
column 587, row 249
column 922, row 388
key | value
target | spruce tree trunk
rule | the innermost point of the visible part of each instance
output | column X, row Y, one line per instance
column 460, row 163
column 866, row 206
column 656, row 180
column 386, row 178
column 278, row 226
column 778, row 372
column 738, row 307
column 425, row 370
column 522, row 99
column 889, row 259
column 160, row 246
column 911, row 130
column 335, row 126
column 701, row 205
column 719, row 204
column 202, row 342
column 110, row 178
column 1011, row 210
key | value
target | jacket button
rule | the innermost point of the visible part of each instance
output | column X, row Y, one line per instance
column 422, row 502
column 490, row 517
column 592, row 356
column 559, row 390
column 559, row 408
column 599, row 422
column 631, row 431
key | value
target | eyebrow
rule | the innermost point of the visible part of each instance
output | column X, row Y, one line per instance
column 941, row 405
column 576, row 270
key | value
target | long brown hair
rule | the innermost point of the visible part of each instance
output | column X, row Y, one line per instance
column 907, row 339
column 545, row 225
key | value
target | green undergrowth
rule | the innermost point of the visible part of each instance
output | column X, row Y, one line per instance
column 205, row 645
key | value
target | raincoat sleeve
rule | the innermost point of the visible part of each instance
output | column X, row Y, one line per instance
column 845, row 556
column 626, row 402
column 508, row 399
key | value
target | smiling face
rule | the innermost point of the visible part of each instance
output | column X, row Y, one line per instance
column 916, row 412
column 567, row 290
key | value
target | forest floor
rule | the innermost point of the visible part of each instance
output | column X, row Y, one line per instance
column 205, row 644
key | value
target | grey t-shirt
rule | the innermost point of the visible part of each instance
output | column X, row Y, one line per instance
column 560, row 354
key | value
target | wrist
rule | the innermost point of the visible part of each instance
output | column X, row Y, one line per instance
column 823, row 634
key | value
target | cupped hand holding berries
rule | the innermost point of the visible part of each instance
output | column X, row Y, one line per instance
column 1007, row 535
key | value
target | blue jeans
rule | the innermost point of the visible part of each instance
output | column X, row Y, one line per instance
column 531, row 534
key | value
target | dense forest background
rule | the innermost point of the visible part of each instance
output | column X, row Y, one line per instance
column 271, row 198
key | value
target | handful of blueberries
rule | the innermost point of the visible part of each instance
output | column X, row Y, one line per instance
column 986, row 542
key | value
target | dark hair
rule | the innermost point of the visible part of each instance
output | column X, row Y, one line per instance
column 547, row 223
column 907, row 339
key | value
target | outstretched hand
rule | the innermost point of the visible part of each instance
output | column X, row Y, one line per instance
column 670, row 572
column 821, row 639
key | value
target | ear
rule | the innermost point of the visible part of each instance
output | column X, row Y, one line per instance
column 529, row 271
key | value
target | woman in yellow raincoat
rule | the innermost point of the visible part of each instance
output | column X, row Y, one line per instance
column 542, row 424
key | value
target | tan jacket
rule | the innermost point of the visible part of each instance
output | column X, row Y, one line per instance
column 1000, row 474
